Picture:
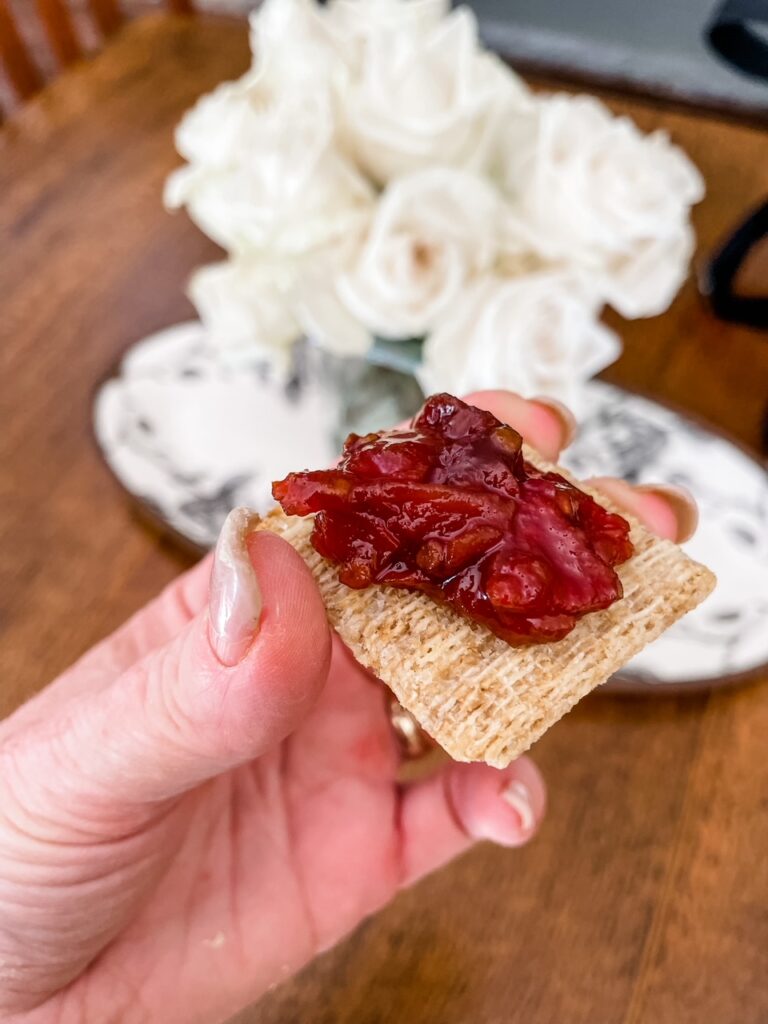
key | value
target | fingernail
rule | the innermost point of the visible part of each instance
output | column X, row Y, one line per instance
column 568, row 424
column 683, row 506
column 518, row 797
column 234, row 604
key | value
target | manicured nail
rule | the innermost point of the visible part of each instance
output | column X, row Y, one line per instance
column 235, row 599
column 516, row 794
column 568, row 425
column 683, row 505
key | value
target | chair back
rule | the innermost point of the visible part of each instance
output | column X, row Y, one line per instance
column 38, row 38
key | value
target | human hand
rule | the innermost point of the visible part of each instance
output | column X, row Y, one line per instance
column 210, row 796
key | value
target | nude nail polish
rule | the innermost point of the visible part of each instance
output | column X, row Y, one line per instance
column 568, row 423
column 517, row 795
column 683, row 505
column 234, row 604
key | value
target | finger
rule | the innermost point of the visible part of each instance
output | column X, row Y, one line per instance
column 667, row 511
column 443, row 815
column 230, row 686
column 545, row 424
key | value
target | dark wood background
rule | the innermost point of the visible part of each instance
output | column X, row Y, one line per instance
column 645, row 898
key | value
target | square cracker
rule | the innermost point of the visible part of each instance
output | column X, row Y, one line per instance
column 481, row 699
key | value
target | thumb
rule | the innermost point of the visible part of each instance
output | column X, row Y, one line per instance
column 238, row 678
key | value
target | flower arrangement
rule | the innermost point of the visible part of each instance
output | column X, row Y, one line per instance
column 377, row 174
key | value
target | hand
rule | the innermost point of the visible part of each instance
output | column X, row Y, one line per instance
column 210, row 797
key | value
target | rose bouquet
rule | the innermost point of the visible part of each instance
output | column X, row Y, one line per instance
column 378, row 177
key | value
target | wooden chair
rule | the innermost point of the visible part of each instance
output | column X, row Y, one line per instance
column 59, row 29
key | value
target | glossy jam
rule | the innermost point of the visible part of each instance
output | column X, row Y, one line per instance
column 451, row 508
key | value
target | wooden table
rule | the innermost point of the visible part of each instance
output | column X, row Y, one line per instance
column 645, row 898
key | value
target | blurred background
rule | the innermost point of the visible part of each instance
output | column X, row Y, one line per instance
column 657, row 47
column 643, row 901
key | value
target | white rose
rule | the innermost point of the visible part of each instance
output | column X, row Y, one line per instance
column 537, row 335
column 263, row 174
column 325, row 319
column 254, row 306
column 245, row 308
column 318, row 307
column 264, row 170
column 355, row 23
column 295, row 63
column 294, row 48
column 431, row 233
column 590, row 189
column 269, row 204
column 222, row 123
column 424, row 92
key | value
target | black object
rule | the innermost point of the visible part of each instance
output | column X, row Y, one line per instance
column 718, row 276
column 732, row 36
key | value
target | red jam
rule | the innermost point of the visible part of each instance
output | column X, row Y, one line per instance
column 450, row 507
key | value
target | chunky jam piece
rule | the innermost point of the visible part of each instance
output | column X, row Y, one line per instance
column 450, row 507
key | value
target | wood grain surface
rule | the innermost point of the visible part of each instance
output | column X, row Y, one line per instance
column 645, row 898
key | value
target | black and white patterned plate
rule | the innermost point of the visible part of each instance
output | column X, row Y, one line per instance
column 190, row 434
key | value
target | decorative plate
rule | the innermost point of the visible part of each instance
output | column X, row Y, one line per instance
column 190, row 434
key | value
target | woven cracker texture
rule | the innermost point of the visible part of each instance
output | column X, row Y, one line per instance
column 481, row 699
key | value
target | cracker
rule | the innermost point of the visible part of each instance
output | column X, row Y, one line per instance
column 481, row 699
